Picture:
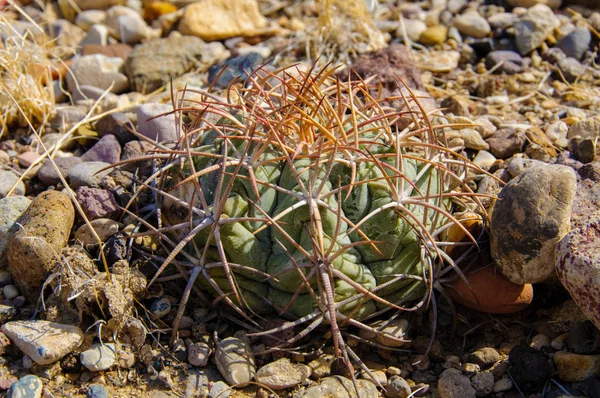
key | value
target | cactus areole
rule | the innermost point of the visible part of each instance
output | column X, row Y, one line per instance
column 299, row 196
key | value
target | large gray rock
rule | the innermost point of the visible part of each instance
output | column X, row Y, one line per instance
column 534, row 27
column 44, row 342
column 532, row 214
column 576, row 43
column 578, row 265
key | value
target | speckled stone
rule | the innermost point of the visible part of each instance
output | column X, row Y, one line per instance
column 29, row 386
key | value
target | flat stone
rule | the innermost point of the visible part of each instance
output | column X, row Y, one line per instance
column 235, row 360
column 88, row 174
column 117, row 124
column 99, row 357
column 282, row 374
column 97, row 391
column 8, row 179
column 389, row 333
column 472, row 24
column 128, row 25
column 99, row 71
column 48, row 174
column 29, row 386
column 107, row 150
column 220, row 389
column 97, row 203
column 104, row 228
column 510, row 62
column 44, row 342
column 341, row 387
column 158, row 128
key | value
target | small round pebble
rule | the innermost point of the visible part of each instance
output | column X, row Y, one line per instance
column 160, row 307
column 99, row 357
column 97, row 391
column 503, row 385
column 220, row 389
column 29, row 386
column 397, row 387
column 10, row 292
column 198, row 354
column 540, row 340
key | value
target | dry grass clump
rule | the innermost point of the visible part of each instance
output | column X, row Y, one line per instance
column 26, row 92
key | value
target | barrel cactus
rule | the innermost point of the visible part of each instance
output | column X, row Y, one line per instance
column 298, row 195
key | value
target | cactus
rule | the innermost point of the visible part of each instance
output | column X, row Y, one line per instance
column 298, row 195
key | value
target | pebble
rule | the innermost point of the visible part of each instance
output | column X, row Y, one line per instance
column 321, row 367
column 220, row 389
column 11, row 208
column 341, row 387
column 576, row 367
column 578, row 268
column 44, row 342
column 235, row 360
column 377, row 377
column 235, row 68
column 390, row 333
column 44, row 230
column 10, row 292
column 158, row 128
column 99, row 357
column 161, row 307
column 29, row 386
column 414, row 28
column 197, row 384
column 503, row 385
column 529, row 368
column 397, row 387
column 128, row 25
column 86, row 19
column 107, row 150
column 97, row 391
column 8, row 179
column 534, row 27
column 282, row 374
column 571, row 69
column 502, row 20
column 483, row 383
column 26, row 159
column 47, row 173
column 587, row 128
column 511, row 62
column 539, row 341
column 97, row 34
column 576, row 43
column 491, row 292
column 434, row 35
column 104, row 228
column 198, row 354
column 116, row 124
column 7, row 312
column 523, row 246
column 88, row 174
column 452, row 384
column 98, row 71
column 228, row 18
column 153, row 64
column 472, row 24
column 97, row 203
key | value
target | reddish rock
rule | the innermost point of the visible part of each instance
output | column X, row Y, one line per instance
column 97, row 203
column 491, row 292
column 111, row 50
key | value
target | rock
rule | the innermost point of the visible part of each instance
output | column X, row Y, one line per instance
column 516, row 166
column 116, row 124
column 578, row 268
column 511, row 61
column 153, row 64
column 88, row 174
column 11, row 208
column 104, row 228
column 97, row 391
column 99, row 357
column 10, row 292
column 385, row 65
column 44, row 342
column 529, row 368
column 434, row 35
column 197, row 384
column 86, row 19
column 136, row 149
column 503, row 385
column 118, row 50
column 47, row 173
column 98, row 71
column 220, row 390
column 129, row 26
column 239, row 67
column 576, row 43
column 158, row 128
column 471, row 23
column 391, row 333
column 160, row 307
column 506, row 142
column 7, row 313
column 97, row 203
column 282, row 374
column 539, row 341
column 452, row 384
column 571, row 69
column 28, row 158
column 228, row 18
column 377, row 377
column 576, row 367
column 414, row 28
column 198, row 354
column 458, row 105
column 531, row 216
column 484, row 159
column 397, row 387
column 97, row 35
column 484, row 357
column 588, row 128
column 502, row 20
column 321, row 367
column 8, row 179
column 106, row 150
column 533, row 28
column 582, row 338
column 235, row 360
column 98, row 4
column 341, row 387
column 483, row 383
column 471, row 137
column 29, row 386
column 44, row 230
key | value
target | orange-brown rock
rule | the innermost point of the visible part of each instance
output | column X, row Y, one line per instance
column 490, row 292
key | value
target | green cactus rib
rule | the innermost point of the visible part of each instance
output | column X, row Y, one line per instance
column 300, row 196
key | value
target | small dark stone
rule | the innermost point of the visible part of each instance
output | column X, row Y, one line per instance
column 106, row 150
column 235, row 67
column 529, row 368
column 576, row 43
column 47, row 173
column 590, row 171
column 117, row 124
column 511, row 61
column 70, row 363
column 116, row 248
column 590, row 387
column 97, row 391
column 582, row 338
